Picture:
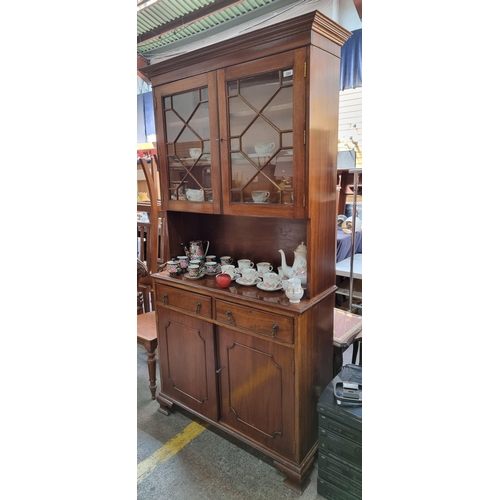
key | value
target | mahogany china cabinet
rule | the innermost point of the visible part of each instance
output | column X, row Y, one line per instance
column 244, row 359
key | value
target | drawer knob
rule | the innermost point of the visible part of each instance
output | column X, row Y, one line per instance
column 230, row 317
column 165, row 295
column 275, row 329
column 198, row 307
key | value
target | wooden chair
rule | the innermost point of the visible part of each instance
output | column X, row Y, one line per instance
column 146, row 327
column 146, row 322
column 146, row 336
column 347, row 330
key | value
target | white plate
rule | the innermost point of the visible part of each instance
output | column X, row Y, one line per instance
column 261, row 286
column 241, row 282
column 262, row 202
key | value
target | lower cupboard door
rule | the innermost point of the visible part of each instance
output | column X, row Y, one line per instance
column 187, row 362
column 257, row 390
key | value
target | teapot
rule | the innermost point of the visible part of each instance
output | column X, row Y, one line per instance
column 299, row 267
column 195, row 249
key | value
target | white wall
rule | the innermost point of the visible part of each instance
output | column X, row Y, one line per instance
column 344, row 13
column 350, row 122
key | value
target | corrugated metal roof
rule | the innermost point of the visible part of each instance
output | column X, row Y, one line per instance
column 162, row 22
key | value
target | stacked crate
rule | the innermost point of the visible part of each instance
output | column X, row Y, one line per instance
column 339, row 450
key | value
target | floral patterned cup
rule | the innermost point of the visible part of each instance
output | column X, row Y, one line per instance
column 183, row 262
column 173, row 267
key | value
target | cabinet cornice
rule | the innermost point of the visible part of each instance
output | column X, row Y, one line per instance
column 297, row 32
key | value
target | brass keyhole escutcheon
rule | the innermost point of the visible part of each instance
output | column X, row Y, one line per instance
column 229, row 317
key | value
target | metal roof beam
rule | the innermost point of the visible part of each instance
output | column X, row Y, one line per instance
column 197, row 15
column 264, row 10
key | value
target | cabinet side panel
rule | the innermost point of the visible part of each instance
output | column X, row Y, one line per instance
column 314, row 352
column 322, row 153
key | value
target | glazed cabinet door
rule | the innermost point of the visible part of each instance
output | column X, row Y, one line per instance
column 187, row 361
column 263, row 125
column 257, row 390
column 187, row 142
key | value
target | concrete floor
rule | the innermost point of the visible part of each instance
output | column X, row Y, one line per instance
column 211, row 466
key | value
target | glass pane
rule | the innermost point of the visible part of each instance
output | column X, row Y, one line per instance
column 199, row 121
column 185, row 104
column 240, row 115
column 188, row 147
column 261, row 138
column 258, row 90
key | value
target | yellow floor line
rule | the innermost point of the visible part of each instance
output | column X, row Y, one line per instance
column 169, row 449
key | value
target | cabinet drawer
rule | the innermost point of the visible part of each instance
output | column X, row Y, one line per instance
column 184, row 301
column 247, row 318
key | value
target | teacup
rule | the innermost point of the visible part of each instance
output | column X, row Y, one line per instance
column 183, row 262
column 271, row 281
column 245, row 264
column 260, row 196
column 226, row 260
column 212, row 267
column 263, row 147
column 249, row 276
column 194, row 153
column 229, row 269
column 210, row 258
column 173, row 267
column 194, row 270
column 264, row 267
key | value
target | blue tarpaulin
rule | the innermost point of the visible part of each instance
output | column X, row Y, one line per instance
column 350, row 62
column 145, row 116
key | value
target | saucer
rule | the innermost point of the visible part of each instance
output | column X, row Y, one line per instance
column 215, row 272
column 261, row 286
column 202, row 274
column 241, row 282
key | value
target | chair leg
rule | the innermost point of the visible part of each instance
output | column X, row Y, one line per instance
column 354, row 352
column 338, row 360
column 355, row 345
column 152, row 372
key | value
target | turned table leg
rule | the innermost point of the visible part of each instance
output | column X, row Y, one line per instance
column 151, row 350
column 152, row 373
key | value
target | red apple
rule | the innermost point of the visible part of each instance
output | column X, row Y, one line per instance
column 223, row 280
